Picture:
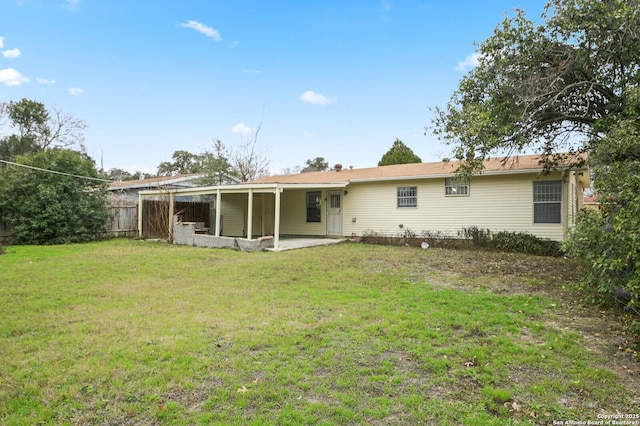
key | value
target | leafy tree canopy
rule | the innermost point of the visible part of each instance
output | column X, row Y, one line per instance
column 116, row 174
column 183, row 163
column 53, row 208
column 399, row 154
column 318, row 164
column 538, row 86
column 36, row 128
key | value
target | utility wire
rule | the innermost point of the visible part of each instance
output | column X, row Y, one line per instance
column 53, row 171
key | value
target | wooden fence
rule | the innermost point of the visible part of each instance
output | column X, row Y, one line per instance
column 122, row 221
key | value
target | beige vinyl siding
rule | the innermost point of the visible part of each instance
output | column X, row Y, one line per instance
column 263, row 210
column 233, row 215
column 293, row 214
column 494, row 202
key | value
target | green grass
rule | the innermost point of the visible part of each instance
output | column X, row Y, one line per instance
column 128, row 332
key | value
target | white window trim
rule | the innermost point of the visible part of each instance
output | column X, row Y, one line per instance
column 561, row 202
column 398, row 198
column 455, row 192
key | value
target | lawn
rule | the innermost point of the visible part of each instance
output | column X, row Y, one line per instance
column 131, row 332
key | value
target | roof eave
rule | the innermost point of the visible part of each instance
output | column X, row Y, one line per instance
column 244, row 188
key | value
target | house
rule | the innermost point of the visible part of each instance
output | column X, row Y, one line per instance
column 514, row 196
column 127, row 190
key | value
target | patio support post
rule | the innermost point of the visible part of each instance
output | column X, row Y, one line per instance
column 218, row 208
column 172, row 199
column 262, row 214
column 250, row 214
column 139, row 215
column 276, row 228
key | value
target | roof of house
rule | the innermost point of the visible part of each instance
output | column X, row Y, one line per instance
column 179, row 181
column 520, row 164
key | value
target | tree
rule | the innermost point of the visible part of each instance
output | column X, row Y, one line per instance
column 399, row 153
column 118, row 175
column 216, row 166
column 538, row 86
column 38, row 129
column 569, row 84
column 183, row 163
column 248, row 162
column 607, row 241
column 57, row 200
column 316, row 165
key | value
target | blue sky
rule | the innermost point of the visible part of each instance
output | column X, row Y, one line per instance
column 336, row 79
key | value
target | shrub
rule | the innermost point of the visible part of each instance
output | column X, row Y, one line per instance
column 53, row 208
column 518, row 242
column 522, row 242
column 607, row 252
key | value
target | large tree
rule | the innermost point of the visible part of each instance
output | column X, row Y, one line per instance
column 538, row 87
column 184, row 162
column 399, row 153
column 54, row 197
column 567, row 84
column 35, row 128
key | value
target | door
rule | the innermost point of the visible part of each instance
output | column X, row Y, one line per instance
column 334, row 213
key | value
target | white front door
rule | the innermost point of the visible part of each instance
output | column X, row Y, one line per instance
column 334, row 213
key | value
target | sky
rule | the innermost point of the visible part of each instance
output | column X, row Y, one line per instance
column 328, row 78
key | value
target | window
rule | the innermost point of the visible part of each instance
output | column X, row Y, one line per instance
column 314, row 205
column 454, row 187
column 407, row 196
column 547, row 201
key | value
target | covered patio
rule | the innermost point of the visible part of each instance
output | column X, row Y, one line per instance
column 254, row 211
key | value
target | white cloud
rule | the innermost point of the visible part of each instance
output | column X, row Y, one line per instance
column 315, row 98
column 45, row 81
column 242, row 129
column 72, row 4
column 75, row 91
column 201, row 28
column 11, row 77
column 1, row 42
column 469, row 62
column 11, row 53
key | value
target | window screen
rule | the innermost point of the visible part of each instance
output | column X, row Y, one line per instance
column 407, row 196
column 547, row 201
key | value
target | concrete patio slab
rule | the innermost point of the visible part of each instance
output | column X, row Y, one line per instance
column 298, row 243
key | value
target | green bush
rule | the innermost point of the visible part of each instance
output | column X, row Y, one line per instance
column 517, row 242
column 522, row 242
column 53, row 208
column 607, row 252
